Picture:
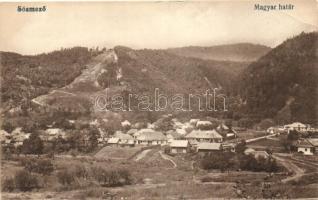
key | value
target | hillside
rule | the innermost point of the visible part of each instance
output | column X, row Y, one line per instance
column 283, row 83
column 241, row 52
column 26, row 77
column 125, row 71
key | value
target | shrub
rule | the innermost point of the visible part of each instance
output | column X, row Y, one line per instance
column 249, row 162
column 220, row 161
column 167, row 149
column 8, row 185
column 33, row 145
column 112, row 178
column 25, row 181
column 80, row 171
column 41, row 166
column 65, row 177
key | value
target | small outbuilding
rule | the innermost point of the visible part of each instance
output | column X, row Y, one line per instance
column 113, row 141
column 180, row 146
column 305, row 147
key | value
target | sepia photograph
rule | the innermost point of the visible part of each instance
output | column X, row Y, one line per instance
column 159, row 100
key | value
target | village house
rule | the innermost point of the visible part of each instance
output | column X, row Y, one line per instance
column 18, row 136
column 151, row 138
column 199, row 136
column 144, row 130
column 296, row 126
column 229, row 147
column 4, row 135
column 209, row 147
column 126, row 124
column 113, row 141
column 179, row 146
column 305, row 147
column 177, row 124
column 275, row 130
column 226, row 132
column 193, row 122
column 314, row 142
column 55, row 133
column 124, row 139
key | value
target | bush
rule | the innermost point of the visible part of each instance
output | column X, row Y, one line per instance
column 33, row 145
column 65, row 177
column 167, row 149
column 80, row 171
column 8, row 185
column 112, row 178
column 25, row 181
column 249, row 162
column 218, row 160
column 41, row 166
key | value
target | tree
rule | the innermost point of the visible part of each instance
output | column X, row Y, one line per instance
column 93, row 138
column 240, row 147
column 33, row 145
column 293, row 135
column 7, row 126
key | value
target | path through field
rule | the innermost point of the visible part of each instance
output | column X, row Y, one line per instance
column 298, row 172
column 166, row 158
column 259, row 138
column 142, row 154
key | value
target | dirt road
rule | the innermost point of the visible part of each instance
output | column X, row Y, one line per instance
column 298, row 172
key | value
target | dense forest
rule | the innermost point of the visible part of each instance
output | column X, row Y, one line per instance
column 283, row 83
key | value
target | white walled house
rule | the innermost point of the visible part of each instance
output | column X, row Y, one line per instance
column 151, row 138
column 297, row 126
column 305, row 147
column 199, row 136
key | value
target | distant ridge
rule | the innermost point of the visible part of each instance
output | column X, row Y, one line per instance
column 240, row 52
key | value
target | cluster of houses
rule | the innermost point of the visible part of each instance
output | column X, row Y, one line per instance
column 15, row 138
column 305, row 145
column 195, row 133
column 296, row 126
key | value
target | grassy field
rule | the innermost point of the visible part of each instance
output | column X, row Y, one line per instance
column 156, row 178
column 117, row 152
column 250, row 133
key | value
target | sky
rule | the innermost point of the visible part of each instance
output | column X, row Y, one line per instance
column 150, row 24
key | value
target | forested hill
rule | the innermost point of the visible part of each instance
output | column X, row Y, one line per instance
column 25, row 77
column 283, row 84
